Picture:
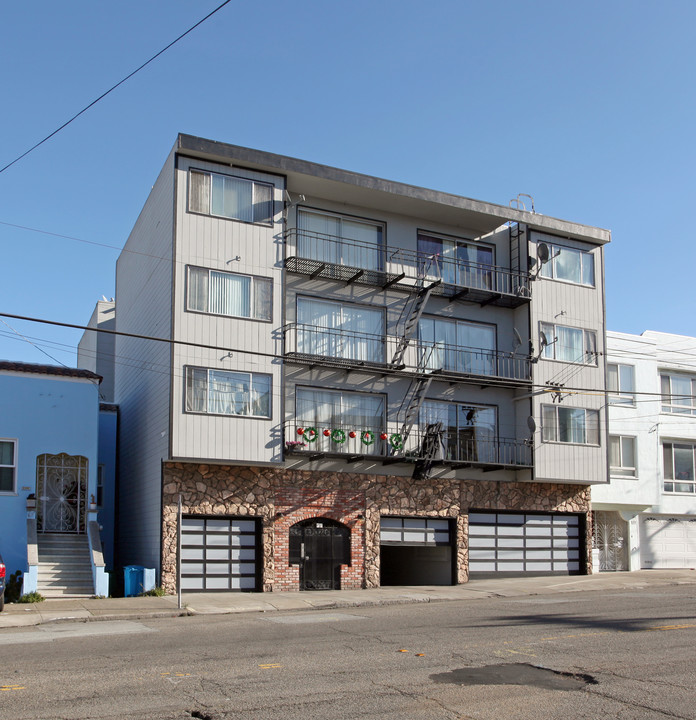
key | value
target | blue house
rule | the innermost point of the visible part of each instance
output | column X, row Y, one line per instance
column 49, row 471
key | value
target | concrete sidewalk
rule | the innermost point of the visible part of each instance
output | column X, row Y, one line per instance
column 87, row 609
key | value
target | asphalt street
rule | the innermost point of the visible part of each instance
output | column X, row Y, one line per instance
column 610, row 654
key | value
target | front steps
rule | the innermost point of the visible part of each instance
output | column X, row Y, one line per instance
column 65, row 568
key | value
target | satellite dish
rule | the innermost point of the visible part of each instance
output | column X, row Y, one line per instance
column 518, row 340
column 543, row 340
column 543, row 252
column 531, row 424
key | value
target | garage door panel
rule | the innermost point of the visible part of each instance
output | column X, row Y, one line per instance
column 218, row 554
column 668, row 541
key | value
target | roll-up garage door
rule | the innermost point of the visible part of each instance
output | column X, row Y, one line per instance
column 416, row 551
column 667, row 541
column 524, row 543
column 219, row 554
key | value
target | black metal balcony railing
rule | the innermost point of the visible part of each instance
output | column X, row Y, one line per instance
column 337, row 258
column 458, row 448
column 349, row 348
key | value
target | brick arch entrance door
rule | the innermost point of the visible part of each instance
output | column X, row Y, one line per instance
column 320, row 546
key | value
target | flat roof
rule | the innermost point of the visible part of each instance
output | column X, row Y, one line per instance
column 36, row 369
column 367, row 191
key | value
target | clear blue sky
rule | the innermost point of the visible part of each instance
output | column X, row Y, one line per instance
column 589, row 107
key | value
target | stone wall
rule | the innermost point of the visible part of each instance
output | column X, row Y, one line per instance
column 280, row 498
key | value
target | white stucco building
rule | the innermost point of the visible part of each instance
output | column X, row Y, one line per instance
column 646, row 517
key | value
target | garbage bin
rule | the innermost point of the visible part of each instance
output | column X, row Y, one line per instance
column 133, row 580
column 148, row 582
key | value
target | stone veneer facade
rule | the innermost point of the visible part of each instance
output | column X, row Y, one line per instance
column 280, row 498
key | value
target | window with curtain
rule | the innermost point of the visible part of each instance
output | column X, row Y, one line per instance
column 458, row 346
column 230, row 197
column 339, row 240
column 344, row 410
column 621, row 384
column 569, row 264
column 678, row 394
column 8, row 465
column 456, row 262
column 678, row 464
column 470, row 430
column 622, row 456
column 225, row 293
column 569, row 344
column 570, row 425
column 334, row 329
column 224, row 392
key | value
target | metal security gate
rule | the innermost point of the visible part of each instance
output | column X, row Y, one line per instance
column 610, row 537
column 416, row 551
column 320, row 546
column 511, row 543
column 219, row 553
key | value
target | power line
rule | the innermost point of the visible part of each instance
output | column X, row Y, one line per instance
column 111, row 89
column 258, row 353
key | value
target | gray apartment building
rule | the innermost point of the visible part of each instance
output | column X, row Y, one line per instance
column 359, row 382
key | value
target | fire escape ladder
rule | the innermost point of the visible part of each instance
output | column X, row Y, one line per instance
column 416, row 395
column 413, row 310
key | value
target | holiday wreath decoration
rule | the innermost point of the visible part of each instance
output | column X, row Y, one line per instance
column 367, row 437
column 310, row 434
column 338, row 436
column 396, row 441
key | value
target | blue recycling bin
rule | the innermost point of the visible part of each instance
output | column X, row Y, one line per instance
column 133, row 580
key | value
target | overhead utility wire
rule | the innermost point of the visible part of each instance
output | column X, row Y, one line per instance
column 257, row 353
column 111, row 89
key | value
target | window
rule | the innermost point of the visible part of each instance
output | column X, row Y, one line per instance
column 225, row 293
column 328, row 409
column 678, row 394
column 678, row 459
column 8, row 465
column 470, row 430
column 101, row 469
column 569, row 344
column 222, row 392
column 339, row 240
column 340, row 330
column 622, row 456
column 576, row 266
column 570, row 425
column 458, row 346
column 456, row 262
column 230, row 197
column 621, row 384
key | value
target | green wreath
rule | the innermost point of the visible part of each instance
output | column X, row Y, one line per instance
column 338, row 436
column 311, row 434
column 368, row 437
column 396, row 441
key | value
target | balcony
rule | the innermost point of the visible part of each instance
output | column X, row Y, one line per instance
column 330, row 347
column 456, row 448
column 351, row 261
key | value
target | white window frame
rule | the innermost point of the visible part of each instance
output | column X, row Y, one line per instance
column 454, row 357
column 451, row 268
column 623, row 470
column 550, row 351
column 551, row 424
column 688, row 406
column 193, row 374
column 13, row 466
column 255, row 285
column 257, row 188
column 621, row 395
column 549, row 270
column 673, row 485
column 339, row 422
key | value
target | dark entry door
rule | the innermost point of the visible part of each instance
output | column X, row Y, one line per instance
column 320, row 546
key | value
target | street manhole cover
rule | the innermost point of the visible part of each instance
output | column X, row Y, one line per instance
column 515, row 674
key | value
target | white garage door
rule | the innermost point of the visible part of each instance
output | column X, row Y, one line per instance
column 667, row 541
column 218, row 554
column 524, row 543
